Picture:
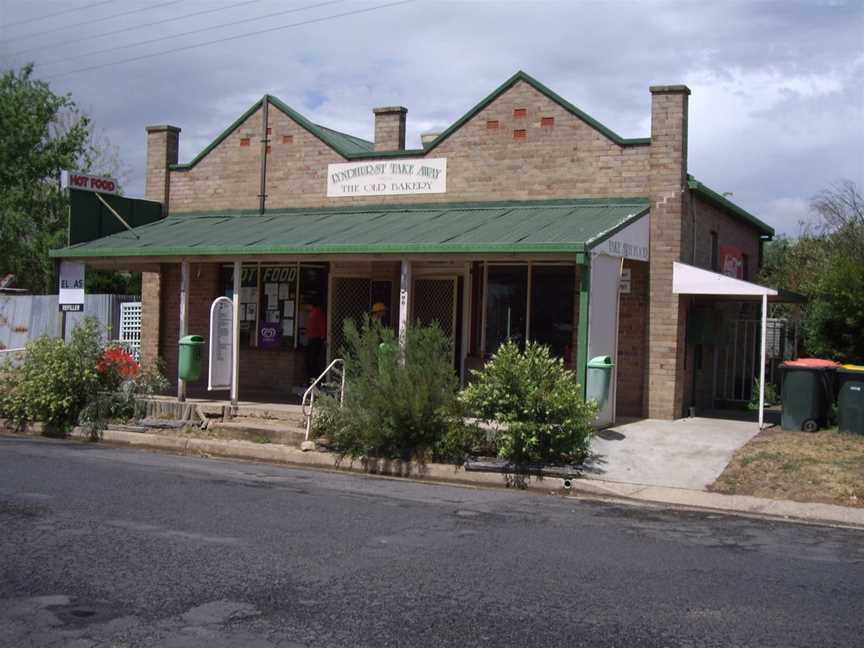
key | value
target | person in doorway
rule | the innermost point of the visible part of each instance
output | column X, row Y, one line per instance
column 316, row 340
column 379, row 313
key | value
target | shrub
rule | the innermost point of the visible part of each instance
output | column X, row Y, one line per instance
column 61, row 384
column 535, row 404
column 55, row 380
column 393, row 408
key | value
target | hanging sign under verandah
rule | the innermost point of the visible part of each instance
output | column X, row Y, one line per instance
column 220, row 370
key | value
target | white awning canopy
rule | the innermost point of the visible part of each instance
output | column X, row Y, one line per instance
column 690, row 280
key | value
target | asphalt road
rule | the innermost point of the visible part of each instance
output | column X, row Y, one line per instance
column 115, row 547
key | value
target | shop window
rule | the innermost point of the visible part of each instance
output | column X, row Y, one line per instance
column 248, row 298
column 553, row 290
column 520, row 113
column 506, row 305
column 278, row 299
column 715, row 252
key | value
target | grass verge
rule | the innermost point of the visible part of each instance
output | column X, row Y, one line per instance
column 825, row 467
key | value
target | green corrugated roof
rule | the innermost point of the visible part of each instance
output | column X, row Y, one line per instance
column 567, row 226
column 726, row 204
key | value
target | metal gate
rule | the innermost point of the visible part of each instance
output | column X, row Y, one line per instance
column 736, row 366
column 435, row 301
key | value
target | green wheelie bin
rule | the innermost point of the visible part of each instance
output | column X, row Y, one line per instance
column 599, row 379
column 807, row 393
column 850, row 398
column 189, row 364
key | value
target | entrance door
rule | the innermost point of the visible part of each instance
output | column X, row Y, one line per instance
column 350, row 300
column 435, row 300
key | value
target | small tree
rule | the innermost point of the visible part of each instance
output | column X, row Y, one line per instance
column 399, row 404
column 535, row 403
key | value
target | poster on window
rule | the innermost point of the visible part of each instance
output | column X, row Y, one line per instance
column 731, row 261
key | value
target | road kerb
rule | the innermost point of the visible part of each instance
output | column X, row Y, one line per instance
column 452, row 474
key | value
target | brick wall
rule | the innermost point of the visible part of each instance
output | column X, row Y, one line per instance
column 669, row 232
column 730, row 231
column 162, row 149
column 632, row 343
column 390, row 128
column 205, row 285
column 566, row 160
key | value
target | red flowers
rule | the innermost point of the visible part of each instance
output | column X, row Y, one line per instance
column 118, row 361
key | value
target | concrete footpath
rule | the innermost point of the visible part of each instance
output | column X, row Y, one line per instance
column 447, row 473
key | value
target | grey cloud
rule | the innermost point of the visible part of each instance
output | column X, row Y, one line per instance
column 772, row 145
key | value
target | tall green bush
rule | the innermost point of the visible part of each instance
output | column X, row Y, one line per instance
column 398, row 405
column 55, row 380
column 534, row 404
column 82, row 381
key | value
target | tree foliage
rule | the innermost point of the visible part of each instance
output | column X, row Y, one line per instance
column 41, row 134
column 826, row 265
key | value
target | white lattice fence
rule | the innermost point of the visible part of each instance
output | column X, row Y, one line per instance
column 130, row 327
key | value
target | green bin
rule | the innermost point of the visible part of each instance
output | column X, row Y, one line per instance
column 850, row 399
column 189, row 365
column 598, row 380
column 807, row 394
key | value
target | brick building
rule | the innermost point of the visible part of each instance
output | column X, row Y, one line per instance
column 525, row 219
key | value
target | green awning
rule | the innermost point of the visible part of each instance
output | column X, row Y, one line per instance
column 567, row 226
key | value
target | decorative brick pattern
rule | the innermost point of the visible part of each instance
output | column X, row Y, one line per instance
column 484, row 163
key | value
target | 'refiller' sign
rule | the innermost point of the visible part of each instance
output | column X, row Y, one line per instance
column 71, row 296
column 220, row 371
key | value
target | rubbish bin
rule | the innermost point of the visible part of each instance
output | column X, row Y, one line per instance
column 599, row 378
column 191, row 348
column 850, row 399
column 807, row 393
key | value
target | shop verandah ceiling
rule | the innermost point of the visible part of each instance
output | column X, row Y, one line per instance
column 550, row 226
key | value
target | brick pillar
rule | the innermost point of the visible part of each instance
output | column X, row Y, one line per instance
column 669, row 242
column 390, row 128
column 162, row 149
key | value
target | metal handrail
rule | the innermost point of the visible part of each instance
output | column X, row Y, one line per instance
column 16, row 350
column 310, row 393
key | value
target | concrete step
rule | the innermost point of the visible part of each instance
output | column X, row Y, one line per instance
column 261, row 430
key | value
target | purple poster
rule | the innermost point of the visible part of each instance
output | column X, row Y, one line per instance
column 270, row 335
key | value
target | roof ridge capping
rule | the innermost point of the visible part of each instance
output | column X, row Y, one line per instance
column 352, row 147
column 721, row 201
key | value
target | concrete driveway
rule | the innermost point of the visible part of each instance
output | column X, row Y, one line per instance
column 687, row 453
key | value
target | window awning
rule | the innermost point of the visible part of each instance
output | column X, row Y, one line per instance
column 690, row 280
column 556, row 226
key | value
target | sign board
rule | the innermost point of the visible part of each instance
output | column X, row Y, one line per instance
column 71, row 297
column 86, row 182
column 625, row 282
column 629, row 243
column 220, row 371
column 387, row 178
column 270, row 335
column 731, row 261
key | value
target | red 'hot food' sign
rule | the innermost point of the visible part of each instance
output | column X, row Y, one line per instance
column 92, row 183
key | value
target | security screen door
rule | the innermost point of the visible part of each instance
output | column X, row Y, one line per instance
column 435, row 301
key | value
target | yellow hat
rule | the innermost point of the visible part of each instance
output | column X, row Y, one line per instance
column 378, row 307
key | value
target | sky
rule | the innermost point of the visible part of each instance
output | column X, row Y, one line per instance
column 776, row 111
